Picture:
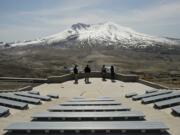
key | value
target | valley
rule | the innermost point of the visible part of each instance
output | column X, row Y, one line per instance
column 41, row 62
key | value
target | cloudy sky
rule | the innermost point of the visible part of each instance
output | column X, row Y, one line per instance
column 29, row 19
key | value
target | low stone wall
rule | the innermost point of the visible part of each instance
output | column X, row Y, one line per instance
column 67, row 77
column 151, row 84
column 59, row 79
column 127, row 77
column 26, row 88
column 29, row 80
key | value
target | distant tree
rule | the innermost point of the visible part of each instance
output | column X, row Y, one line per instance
column 6, row 45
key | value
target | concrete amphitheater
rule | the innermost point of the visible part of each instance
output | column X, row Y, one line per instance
column 97, row 89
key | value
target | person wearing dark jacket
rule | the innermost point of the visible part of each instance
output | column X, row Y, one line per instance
column 75, row 74
column 112, row 73
column 87, row 71
column 103, row 72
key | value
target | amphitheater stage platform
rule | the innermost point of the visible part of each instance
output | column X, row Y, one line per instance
column 96, row 89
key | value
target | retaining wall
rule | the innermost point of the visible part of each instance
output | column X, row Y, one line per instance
column 26, row 88
column 29, row 80
column 67, row 77
column 152, row 84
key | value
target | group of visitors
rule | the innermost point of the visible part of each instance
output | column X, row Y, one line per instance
column 87, row 71
column 104, row 73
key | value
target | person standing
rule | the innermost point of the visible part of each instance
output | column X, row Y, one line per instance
column 87, row 71
column 103, row 72
column 112, row 73
column 75, row 74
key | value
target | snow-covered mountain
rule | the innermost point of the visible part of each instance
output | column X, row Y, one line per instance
column 103, row 34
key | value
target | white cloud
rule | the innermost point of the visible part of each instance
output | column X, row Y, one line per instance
column 76, row 13
column 164, row 11
column 53, row 20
